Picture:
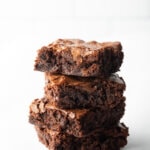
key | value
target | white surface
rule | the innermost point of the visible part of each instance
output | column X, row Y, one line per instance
column 23, row 31
column 71, row 8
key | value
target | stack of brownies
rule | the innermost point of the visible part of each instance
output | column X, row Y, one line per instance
column 83, row 101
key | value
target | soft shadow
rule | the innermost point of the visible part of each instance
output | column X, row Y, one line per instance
column 136, row 143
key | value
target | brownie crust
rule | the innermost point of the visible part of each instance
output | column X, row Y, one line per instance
column 110, row 139
column 79, row 58
column 69, row 92
column 77, row 122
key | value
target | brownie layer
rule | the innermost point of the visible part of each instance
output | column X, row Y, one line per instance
column 75, row 92
column 110, row 139
column 77, row 122
column 80, row 58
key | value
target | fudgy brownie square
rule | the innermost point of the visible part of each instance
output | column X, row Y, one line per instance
column 79, row 58
column 69, row 92
column 77, row 122
column 110, row 139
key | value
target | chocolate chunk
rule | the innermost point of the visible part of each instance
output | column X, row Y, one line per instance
column 69, row 92
column 107, row 139
column 80, row 58
column 77, row 122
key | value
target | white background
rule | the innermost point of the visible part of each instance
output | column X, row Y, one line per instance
column 25, row 26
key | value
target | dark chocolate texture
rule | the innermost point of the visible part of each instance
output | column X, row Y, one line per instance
column 77, row 122
column 110, row 139
column 69, row 92
column 80, row 58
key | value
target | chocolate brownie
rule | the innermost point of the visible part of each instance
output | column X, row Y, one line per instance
column 69, row 92
column 111, row 139
column 80, row 58
column 77, row 122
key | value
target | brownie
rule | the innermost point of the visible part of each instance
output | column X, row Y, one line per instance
column 77, row 122
column 79, row 58
column 110, row 139
column 69, row 92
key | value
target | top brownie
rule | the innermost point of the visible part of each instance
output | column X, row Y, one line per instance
column 79, row 58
